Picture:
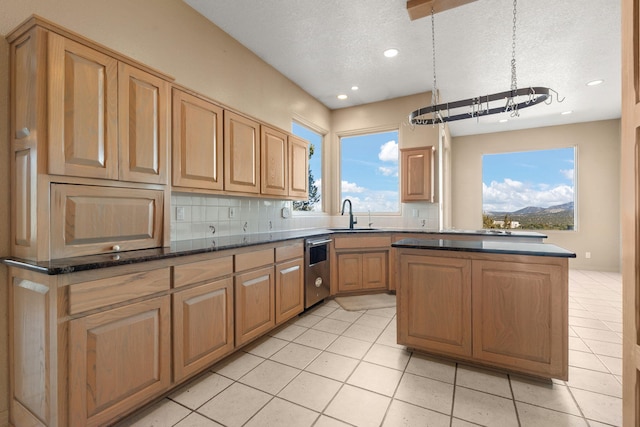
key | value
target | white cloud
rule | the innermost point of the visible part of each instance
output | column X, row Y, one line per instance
column 374, row 201
column 389, row 152
column 387, row 171
column 318, row 184
column 351, row 187
column 568, row 173
column 510, row 195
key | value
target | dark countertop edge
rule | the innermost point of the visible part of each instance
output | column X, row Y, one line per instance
column 518, row 234
column 199, row 246
column 493, row 247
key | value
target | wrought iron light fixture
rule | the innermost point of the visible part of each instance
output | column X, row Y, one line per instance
column 512, row 100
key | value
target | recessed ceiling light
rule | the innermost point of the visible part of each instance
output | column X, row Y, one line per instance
column 564, row 113
column 342, row 96
column 503, row 120
column 595, row 82
column 390, row 53
column 354, row 88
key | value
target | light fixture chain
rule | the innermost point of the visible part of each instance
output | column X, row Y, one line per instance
column 434, row 93
column 514, row 79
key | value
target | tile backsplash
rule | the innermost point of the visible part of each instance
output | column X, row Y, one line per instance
column 197, row 216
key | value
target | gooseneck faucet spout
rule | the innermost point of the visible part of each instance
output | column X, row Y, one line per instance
column 351, row 220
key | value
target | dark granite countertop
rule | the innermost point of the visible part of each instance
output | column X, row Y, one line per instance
column 177, row 249
column 198, row 246
column 492, row 247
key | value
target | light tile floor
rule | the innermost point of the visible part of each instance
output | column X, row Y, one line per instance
column 332, row 368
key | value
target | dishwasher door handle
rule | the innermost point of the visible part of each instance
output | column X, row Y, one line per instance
column 312, row 243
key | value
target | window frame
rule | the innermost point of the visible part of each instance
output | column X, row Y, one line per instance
column 323, row 149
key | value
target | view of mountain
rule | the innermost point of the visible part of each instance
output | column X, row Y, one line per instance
column 558, row 217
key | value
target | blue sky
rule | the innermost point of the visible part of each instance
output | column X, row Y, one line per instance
column 369, row 171
column 512, row 181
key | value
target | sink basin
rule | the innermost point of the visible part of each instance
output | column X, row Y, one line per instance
column 350, row 230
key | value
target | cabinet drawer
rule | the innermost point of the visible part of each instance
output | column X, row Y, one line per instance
column 201, row 271
column 295, row 250
column 254, row 259
column 91, row 220
column 364, row 242
column 114, row 290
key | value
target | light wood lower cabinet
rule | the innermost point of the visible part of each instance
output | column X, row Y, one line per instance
column 362, row 270
column 508, row 311
column 254, row 304
column 434, row 310
column 119, row 359
column 289, row 289
column 202, row 326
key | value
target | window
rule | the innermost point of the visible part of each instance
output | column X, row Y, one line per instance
column 369, row 172
column 532, row 190
column 314, row 203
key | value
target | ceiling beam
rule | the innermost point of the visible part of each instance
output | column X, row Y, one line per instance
column 420, row 8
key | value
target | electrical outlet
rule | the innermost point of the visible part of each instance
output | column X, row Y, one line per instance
column 415, row 213
column 232, row 212
column 587, row 255
column 180, row 213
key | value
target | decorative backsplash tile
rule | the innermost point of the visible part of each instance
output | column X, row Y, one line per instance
column 202, row 216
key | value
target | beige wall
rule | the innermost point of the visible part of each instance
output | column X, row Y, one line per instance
column 597, row 186
column 167, row 35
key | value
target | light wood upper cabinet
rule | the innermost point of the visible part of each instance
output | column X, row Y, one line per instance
column 143, row 121
column 298, row 168
column 83, row 119
column 241, row 154
column 416, row 181
column 274, row 152
column 197, row 142
column 120, row 359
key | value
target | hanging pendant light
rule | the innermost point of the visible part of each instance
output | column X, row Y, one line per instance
column 512, row 100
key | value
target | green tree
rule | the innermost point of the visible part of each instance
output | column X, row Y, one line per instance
column 487, row 222
column 314, row 197
column 507, row 222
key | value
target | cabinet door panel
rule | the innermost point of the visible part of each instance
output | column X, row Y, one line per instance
column 90, row 219
column 289, row 290
column 82, row 110
column 520, row 312
column 298, row 168
column 241, row 154
column 197, row 143
column 203, row 326
column 144, row 124
column 120, row 359
column 349, row 272
column 374, row 270
column 417, row 174
column 254, row 304
column 274, row 162
column 434, row 311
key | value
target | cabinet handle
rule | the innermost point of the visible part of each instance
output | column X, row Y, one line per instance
column 22, row 133
column 116, row 248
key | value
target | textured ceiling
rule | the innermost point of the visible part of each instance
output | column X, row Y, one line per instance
column 328, row 46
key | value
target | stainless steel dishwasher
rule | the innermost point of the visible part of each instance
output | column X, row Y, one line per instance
column 316, row 275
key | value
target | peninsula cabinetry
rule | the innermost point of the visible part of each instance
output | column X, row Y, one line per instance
column 416, row 180
column 362, row 263
column 507, row 311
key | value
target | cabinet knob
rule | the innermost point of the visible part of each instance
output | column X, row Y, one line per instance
column 116, row 248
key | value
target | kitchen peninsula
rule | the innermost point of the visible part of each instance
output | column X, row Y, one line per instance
column 502, row 304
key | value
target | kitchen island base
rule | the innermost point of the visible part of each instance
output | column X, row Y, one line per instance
column 499, row 310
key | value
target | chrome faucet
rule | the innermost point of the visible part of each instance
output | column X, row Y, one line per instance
column 351, row 220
